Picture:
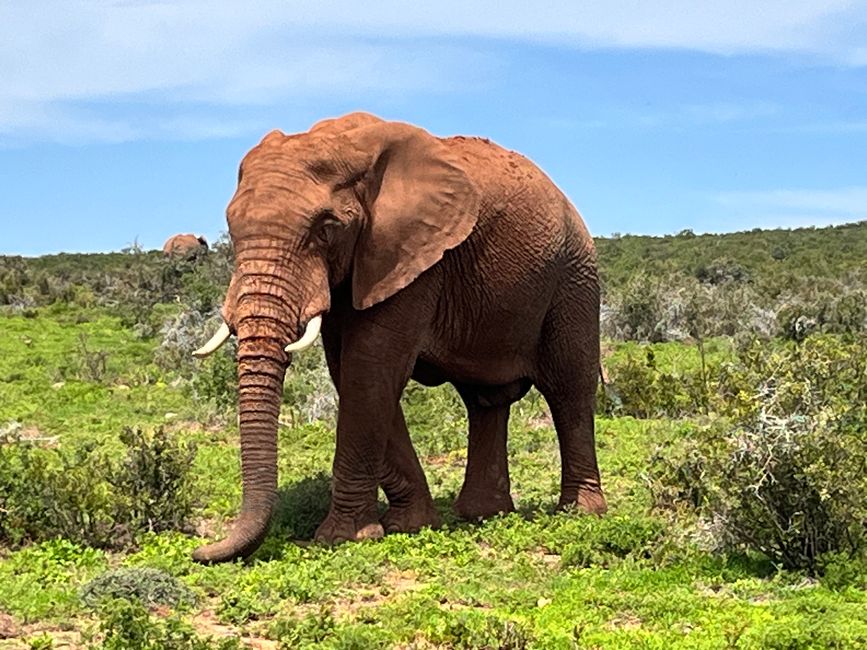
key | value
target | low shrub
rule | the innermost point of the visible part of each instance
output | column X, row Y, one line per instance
column 477, row 629
column 821, row 373
column 144, row 584
column 215, row 379
column 46, row 493
column 828, row 307
column 152, row 483
column 180, row 334
column 91, row 364
column 128, row 625
column 676, row 307
column 608, row 540
column 639, row 387
column 85, row 496
column 308, row 392
column 785, row 472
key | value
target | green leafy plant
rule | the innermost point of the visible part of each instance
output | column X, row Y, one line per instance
column 786, row 473
column 148, row 586
column 127, row 625
column 83, row 495
column 152, row 483
column 215, row 379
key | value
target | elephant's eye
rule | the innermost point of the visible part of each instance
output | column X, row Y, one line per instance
column 325, row 226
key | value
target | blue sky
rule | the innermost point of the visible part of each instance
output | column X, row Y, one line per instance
column 126, row 120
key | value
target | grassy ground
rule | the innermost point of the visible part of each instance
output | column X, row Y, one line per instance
column 531, row 579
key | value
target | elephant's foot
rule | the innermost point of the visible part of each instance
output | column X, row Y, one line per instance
column 588, row 500
column 410, row 518
column 473, row 505
column 340, row 527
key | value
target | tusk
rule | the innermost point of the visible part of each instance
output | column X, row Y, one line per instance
column 310, row 334
column 214, row 344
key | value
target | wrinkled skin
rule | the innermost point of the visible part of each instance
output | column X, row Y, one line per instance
column 186, row 246
column 444, row 260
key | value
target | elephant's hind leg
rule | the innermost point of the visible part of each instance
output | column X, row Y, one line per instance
column 568, row 371
column 410, row 506
column 487, row 488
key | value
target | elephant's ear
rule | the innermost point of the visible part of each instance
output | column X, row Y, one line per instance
column 420, row 203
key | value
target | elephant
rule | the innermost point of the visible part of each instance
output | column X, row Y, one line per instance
column 438, row 259
column 187, row 246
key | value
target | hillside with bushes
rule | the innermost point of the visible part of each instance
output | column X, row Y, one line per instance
column 732, row 437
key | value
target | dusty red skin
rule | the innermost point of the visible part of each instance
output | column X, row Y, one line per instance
column 439, row 259
column 184, row 245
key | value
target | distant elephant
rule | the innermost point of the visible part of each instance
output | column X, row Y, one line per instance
column 186, row 246
column 438, row 259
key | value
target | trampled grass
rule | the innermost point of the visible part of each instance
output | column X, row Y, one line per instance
column 532, row 579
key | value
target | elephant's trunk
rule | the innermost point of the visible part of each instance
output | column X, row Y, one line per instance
column 262, row 334
column 260, row 386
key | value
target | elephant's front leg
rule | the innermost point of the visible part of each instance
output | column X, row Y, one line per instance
column 362, row 434
column 410, row 505
column 375, row 365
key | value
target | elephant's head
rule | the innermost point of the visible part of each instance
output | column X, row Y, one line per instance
column 355, row 199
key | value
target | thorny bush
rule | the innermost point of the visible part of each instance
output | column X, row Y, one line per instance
column 785, row 471
column 84, row 495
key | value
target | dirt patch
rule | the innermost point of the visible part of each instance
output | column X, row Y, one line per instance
column 548, row 559
column 8, row 627
column 210, row 528
column 207, row 624
column 393, row 585
column 60, row 639
column 625, row 621
column 32, row 434
column 451, row 459
column 543, row 421
column 174, row 425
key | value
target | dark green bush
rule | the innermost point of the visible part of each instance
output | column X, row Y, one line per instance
column 146, row 585
column 152, row 483
column 84, row 495
column 638, row 387
column 215, row 379
column 786, row 472
column 128, row 625
column 47, row 493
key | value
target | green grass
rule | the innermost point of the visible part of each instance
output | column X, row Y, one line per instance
column 531, row 579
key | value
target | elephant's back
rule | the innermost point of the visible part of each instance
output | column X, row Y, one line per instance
column 514, row 188
column 498, row 284
column 521, row 208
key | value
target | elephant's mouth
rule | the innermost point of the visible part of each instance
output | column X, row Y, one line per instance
column 311, row 331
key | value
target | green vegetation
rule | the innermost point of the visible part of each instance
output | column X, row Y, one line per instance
column 732, row 437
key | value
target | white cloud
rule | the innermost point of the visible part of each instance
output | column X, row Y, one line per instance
column 830, row 126
column 734, row 26
column 795, row 207
column 57, row 53
column 728, row 111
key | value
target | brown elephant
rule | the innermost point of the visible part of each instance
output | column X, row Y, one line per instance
column 439, row 259
column 186, row 246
